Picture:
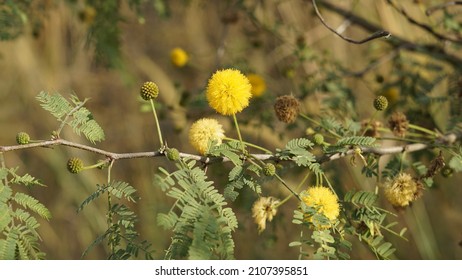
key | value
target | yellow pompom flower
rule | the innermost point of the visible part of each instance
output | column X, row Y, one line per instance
column 402, row 190
column 228, row 91
column 264, row 209
column 203, row 132
column 179, row 57
column 323, row 200
column 258, row 84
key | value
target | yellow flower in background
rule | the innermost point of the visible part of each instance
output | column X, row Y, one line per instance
column 179, row 57
column 203, row 131
column 402, row 190
column 228, row 91
column 264, row 209
column 323, row 200
column 392, row 94
column 258, row 84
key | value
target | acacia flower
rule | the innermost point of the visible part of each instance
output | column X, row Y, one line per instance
column 258, row 84
column 228, row 91
column 204, row 131
column 323, row 200
column 264, row 209
column 402, row 190
column 179, row 57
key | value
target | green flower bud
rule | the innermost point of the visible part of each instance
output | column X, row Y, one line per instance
column 318, row 139
column 447, row 171
column 22, row 138
column 74, row 165
column 173, row 154
column 269, row 169
column 149, row 90
column 380, row 103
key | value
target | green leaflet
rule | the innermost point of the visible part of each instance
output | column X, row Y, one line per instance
column 72, row 114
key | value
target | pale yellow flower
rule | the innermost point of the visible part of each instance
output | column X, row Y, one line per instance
column 323, row 200
column 258, row 84
column 179, row 57
column 402, row 190
column 264, row 209
column 228, row 91
column 203, row 132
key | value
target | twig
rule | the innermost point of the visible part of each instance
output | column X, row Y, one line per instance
column 423, row 26
column 402, row 43
column 432, row 9
column 375, row 35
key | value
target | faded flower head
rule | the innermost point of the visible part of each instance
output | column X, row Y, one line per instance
column 264, row 209
column 287, row 108
column 258, row 84
column 402, row 190
column 228, row 91
column 323, row 200
column 398, row 124
column 203, row 131
column 179, row 57
column 371, row 128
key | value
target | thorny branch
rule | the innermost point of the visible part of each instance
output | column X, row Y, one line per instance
column 375, row 35
column 395, row 41
column 423, row 26
column 431, row 10
column 445, row 139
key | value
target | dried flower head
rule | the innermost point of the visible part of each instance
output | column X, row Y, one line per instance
column 372, row 128
column 203, row 132
column 398, row 124
column 403, row 190
column 287, row 108
column 228, row 91
column 323, row 200
column 179, row 57
column 258, row 84
column 264, row 209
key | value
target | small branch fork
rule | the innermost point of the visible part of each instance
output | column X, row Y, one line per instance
column 443, row 140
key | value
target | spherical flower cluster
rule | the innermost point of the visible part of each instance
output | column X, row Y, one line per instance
column 318, row 139
column 203, row 132
column 269, row 169
column 149, row 90
column 323, row 200
column 179, row 57
column 402, row 190
column 264, row 209
column 22, row 138
column 287, row 108
column 258, row 84
column 74, row 165
column 228, row 91
column 380, row 103
column 173, row 154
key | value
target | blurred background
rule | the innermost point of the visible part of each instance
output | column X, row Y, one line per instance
column 104, row 50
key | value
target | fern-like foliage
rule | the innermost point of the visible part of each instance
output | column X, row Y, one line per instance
column 18, row 228
column 296, row 150
column 368, row 221
column 121, row 236
column 202, row 225
column 72, row 113
column 346, row 143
